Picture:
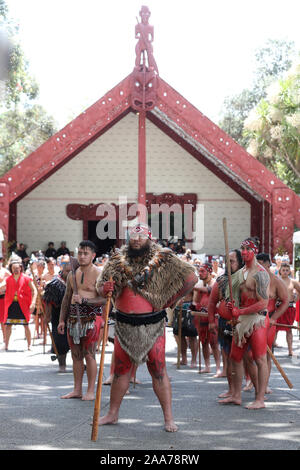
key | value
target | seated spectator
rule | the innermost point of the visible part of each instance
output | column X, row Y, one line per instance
column 22, row 253
column 63, row 250
column 51, row 251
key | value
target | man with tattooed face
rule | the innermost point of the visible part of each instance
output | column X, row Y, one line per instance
column 253, row 323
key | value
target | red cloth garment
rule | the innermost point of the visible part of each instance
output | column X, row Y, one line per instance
column 24, row 295
column 204, row 334
column 287, row 318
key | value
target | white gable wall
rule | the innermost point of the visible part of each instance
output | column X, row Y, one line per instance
column 107, row 169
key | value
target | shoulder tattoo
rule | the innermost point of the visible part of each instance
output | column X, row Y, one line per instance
column 262, row 283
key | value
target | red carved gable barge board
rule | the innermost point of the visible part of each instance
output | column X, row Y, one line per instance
column 175, row 113
column 68, row 142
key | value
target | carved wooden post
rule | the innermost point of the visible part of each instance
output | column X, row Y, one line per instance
column 283, row 203
column 143, row 94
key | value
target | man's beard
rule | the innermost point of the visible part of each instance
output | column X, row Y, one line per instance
column 136, row 252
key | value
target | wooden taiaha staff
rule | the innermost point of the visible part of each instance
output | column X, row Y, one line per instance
column 279, row 367
column 179, row 336
column 234, row 321
column 227, row 258
column 101, row 368
column 287, row 326
column 43, row 311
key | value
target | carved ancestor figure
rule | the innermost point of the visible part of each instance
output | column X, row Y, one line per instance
column 145, row 35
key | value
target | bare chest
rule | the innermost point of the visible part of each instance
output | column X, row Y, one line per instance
column 273, row 290
column 290, row 287
column 248, row 287
column 86, row 282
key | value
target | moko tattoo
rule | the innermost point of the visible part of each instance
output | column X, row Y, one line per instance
column 262, row 283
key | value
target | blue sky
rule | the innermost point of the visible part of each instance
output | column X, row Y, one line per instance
column 78, row 50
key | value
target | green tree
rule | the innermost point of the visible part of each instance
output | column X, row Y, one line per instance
column 24, row 124
column 273, row 128
column 271, row 61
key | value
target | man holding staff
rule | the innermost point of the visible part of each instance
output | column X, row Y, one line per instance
column 81, row 313
column 217, row 304
column 146, row 279
column 253, row 324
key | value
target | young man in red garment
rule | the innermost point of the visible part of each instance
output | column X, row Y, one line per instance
column 146, row 279
column 19, row 300
column 278, row 302
column 217, row 305
column 252, row 326
column 288, row 316
column 208, row 337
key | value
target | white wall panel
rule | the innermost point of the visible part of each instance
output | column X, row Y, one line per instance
column 107, row 169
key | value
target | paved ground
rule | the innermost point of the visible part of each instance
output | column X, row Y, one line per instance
column 33, row 417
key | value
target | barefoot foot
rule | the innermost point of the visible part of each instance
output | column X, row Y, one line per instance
column 230, row 401
column 72, row 395
column 170, row 426
column 219, row 374
column 206, row 370
column 248, row 387
column 108, row 419
column 256, row 405
column 89, row 396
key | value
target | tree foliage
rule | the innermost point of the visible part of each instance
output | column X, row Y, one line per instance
column 271, row 62
column 273, row 128
column 24, row 124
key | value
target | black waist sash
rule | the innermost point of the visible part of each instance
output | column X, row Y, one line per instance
column 137, row 319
